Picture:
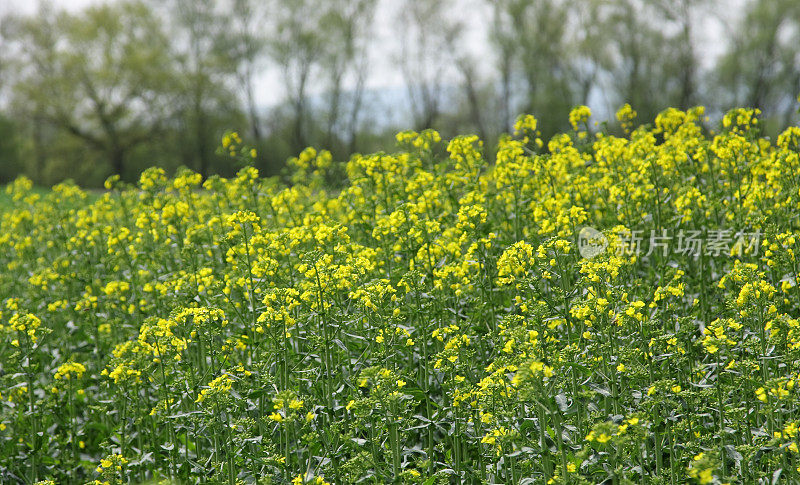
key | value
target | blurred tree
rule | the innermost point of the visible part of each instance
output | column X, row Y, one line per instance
column 99, row 76
column 683, row 14
column 468, row 70
column 645, row 60
column 476, row 82
column 247, row 43
column 532, row 41
column 345, row 27
column 129, row 84
column 761, row 67
column 504, row 47
column 202, row 37
column 587, row 46
column 296, row 47
column 10, row 162
column 30, row 59
column 429, row 32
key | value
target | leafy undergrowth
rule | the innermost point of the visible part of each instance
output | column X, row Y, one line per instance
column 593, row 308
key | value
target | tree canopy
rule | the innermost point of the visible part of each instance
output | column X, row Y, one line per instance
column 119, row 86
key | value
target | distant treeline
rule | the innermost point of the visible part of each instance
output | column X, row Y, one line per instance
column 124, row 85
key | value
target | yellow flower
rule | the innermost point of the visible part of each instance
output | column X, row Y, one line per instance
column 67, row 370
column 626, row 115
column 526, row 123
column 579, row 114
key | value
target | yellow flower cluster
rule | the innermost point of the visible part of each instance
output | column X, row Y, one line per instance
column 578, row 116
column 216, row 388
column 68, row 370
column 27, row 324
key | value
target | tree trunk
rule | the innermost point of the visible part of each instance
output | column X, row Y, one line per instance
column 299, row 135
column 118, row 161
column 201, row 142
column 473, row 100
column 506, row 95
column 358, row 97
column 333, row 109
column 38, row 149
column 688, row 74
column 255, row 122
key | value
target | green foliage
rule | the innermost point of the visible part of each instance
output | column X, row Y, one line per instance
column 10, row 150
column 435, row 319
column 760, row 67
